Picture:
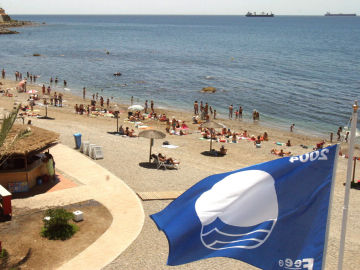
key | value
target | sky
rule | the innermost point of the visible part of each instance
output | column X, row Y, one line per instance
column 186, row 7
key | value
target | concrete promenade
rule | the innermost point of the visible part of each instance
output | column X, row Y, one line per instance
column 101, row 185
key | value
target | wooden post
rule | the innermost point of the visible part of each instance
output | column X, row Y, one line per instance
column 26, row 169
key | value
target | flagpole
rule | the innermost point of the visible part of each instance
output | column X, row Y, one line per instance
column 330, row 207
column 347, row 187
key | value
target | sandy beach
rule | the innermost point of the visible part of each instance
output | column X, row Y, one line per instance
column 125, row 157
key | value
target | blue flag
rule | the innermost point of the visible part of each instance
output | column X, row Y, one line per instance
column 272, row 215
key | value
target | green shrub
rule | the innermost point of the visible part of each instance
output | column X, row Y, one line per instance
column 58, row 227
column 4, row 253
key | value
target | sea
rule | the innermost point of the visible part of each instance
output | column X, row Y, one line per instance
column 292, row 69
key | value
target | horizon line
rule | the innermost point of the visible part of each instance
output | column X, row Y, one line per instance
column 134, row 14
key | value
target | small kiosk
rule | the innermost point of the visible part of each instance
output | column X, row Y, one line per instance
column 23, row 164
column 5, row 202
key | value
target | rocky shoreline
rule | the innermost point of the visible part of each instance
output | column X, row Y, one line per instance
column 5, row 25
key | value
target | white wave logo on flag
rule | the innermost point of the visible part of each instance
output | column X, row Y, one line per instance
column 239, row 211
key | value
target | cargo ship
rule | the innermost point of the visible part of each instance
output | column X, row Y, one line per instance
column 262, row 14
column 339, row 14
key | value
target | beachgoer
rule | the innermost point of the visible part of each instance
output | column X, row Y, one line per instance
column 84, row 92
column 236, row 114
column 292, row 127
column 43, row 89
column 121, row 130
column 339, row 133
column 196, row 107
column 51, row 80
column 214, row 114
column 211, row 110
column 146, row 106
column 347, row 136
column 152, row 106
column 240, row 112
column 265, row 136
column 223, row 150
column 234, row 140
column 56, row 80
column 288, row 143
column 206, row 108
column 331, row 137
column 257, row 142
column 231, row 111
column 132, row 100
column 107, row 102
column 169, row 160
column 65, row 83
column 3, row 73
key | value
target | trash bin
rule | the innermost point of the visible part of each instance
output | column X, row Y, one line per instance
column 77, row 137
column 39, row 181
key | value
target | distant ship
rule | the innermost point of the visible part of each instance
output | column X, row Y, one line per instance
column 339, row 14
column 262, row 14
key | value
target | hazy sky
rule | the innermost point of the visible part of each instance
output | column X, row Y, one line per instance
column 279, row 7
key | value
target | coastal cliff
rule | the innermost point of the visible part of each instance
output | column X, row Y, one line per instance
column 6, row 22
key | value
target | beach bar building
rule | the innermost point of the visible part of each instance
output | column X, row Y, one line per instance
column 23, row 163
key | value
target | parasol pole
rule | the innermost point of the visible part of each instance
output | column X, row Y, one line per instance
column 347, row 187
column 151, row 144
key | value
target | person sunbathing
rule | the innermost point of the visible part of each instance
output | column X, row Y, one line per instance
column 319, row 145
column 121, row 130
column 265, row 136
column 234, row 139
column 288, row 143
column 169, row 160
column 257, row 142
column 222, row 151
column 280, row 153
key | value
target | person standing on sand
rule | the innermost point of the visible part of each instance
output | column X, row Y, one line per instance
column 107, row 102
column 196, row 107
column 84, row 92
column 206, row 108
column 292, row 127
column 240, row 112
column 152, row 106
column 214, row 114
column 231, row 111
column 146, row 106
column 3, row 73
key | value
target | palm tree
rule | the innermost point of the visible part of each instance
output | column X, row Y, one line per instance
column 6, row 126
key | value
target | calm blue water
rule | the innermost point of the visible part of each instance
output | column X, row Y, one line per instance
column 292, row 69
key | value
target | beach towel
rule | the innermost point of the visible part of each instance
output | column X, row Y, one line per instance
column 170, row 146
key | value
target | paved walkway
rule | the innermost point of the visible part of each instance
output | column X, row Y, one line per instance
column 101, row 185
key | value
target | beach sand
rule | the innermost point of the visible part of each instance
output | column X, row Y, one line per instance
column 127, row 157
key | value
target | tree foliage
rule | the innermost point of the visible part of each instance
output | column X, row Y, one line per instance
column 58, row 227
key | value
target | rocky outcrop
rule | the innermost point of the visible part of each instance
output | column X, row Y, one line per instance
column 209, row 89
column 7, row 22
column 4, row 31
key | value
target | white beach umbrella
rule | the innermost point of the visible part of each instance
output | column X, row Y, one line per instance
column 136, row 108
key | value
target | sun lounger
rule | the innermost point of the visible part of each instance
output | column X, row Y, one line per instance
column 163, row 164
